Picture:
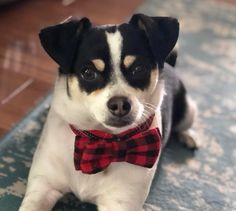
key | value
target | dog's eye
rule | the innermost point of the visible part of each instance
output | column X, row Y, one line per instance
column 139, row 69
column 89, row 74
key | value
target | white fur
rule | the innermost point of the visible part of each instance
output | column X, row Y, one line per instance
column 122, row 186
column 187, row 135
column 189, row 117
column 114, row 41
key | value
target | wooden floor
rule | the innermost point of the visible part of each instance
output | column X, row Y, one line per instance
column 26, row 72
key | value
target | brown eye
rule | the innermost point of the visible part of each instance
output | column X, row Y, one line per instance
column 88, row 74
column 139, row 69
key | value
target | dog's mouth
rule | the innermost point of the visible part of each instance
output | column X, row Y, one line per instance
column 119, row 122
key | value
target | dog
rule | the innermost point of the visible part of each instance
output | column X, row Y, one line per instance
column 112, row 78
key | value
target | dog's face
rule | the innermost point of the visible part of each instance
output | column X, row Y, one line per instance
column 109, row 75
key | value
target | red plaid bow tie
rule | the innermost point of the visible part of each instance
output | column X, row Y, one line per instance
column 96, row 150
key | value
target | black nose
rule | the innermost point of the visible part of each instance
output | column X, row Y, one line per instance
column 119, row 106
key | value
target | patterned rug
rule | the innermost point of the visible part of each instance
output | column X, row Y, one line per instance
column 185, row 180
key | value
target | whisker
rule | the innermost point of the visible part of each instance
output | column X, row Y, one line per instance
column 150, row 104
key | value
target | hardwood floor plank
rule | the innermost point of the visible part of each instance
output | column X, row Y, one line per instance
column 14, row 110
column 9, row 82
column 3, row 132
column 45, row 73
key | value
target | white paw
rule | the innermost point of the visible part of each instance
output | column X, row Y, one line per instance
column 188, row 138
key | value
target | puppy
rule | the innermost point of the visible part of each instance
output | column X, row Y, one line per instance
column 112, row 79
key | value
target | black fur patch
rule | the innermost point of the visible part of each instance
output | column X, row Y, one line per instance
column 135, row 43
column 93, row 45
column 180, row 105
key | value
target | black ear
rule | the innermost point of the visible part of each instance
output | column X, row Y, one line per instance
column 61, row 41
column 162, row 33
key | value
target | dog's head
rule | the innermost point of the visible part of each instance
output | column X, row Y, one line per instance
column 109, row 76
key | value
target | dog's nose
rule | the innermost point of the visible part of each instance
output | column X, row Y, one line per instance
column 119, row 106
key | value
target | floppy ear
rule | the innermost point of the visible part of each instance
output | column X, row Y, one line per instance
column 61, row 41
column 162, row 33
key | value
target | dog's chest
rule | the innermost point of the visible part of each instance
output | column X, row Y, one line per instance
column 122, row 176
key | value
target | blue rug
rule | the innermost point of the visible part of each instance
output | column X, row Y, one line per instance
column 185, row 180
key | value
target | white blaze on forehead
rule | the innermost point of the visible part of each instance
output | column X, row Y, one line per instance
column 114, row 41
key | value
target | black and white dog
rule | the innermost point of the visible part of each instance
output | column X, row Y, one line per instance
column 111, row 78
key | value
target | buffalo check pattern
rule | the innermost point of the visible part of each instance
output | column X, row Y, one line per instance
column 95, row 150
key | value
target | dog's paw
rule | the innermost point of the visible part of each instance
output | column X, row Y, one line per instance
column 188, row 138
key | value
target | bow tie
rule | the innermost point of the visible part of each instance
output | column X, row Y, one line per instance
column 95, row 150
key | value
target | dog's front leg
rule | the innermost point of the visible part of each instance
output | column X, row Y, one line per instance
column 126, row 188
column 128, row 198
column 40, row 196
